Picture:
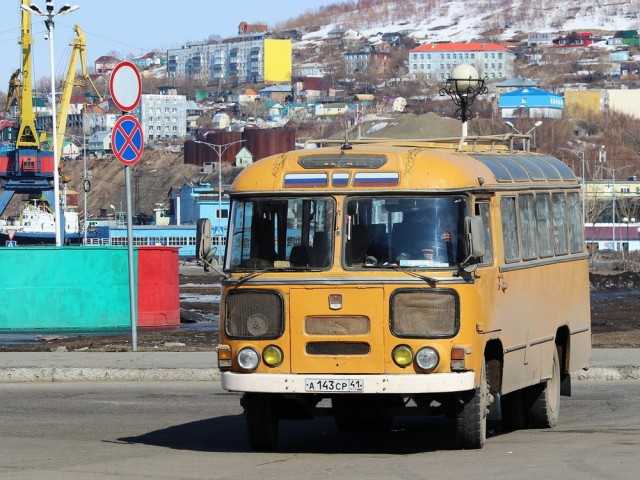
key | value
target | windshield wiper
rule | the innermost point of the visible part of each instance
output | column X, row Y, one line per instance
column 426, row 278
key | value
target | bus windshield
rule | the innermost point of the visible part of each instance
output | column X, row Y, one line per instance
column 281, row 233
column 404, row 231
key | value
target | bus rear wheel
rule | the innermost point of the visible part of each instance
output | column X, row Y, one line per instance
column 545, row 406
column 263, row 424
column 471, row 421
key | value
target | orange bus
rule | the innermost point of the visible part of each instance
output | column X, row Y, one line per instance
column 373, row 279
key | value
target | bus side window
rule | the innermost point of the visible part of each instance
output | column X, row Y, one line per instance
column 482, row 209
column 575, row 223
column 509, row 229
column 561, row 242
column 543, row 225
column 528, row 226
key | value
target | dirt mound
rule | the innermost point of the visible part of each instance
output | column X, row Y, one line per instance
column 620, row 281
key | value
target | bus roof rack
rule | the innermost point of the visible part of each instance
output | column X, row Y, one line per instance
column 468, row 143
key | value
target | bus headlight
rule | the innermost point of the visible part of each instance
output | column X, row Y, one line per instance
column 427, row 358
column 272, row 356
column 248, row 359
column 402, row 355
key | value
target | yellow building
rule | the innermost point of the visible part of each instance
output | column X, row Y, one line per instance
column 277, row 61
column 601, row 195
column 585, row 101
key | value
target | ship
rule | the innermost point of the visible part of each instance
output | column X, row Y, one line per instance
column 36, row 226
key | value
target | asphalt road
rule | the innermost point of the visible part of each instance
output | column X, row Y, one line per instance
column 194, row 430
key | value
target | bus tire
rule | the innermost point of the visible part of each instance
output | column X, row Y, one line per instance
column 471, row 421
column 262, row 421
column 545, row 406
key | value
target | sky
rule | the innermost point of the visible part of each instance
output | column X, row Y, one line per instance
column 133, row 27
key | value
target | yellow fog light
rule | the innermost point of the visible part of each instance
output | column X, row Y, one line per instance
column 272, row 356
column 402, row 355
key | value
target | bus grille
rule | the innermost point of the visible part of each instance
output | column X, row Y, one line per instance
column 349, row 325
column 254, row 314
column 337, row 348
column 425, row 313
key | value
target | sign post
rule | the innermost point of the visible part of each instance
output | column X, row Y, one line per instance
column 127, row 142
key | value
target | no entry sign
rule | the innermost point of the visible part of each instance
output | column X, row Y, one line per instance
column 127, row 140
column 125, row 86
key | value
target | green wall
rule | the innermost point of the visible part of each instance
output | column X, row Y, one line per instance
column 77, row 288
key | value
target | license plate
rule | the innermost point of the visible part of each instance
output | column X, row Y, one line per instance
column 327, row 385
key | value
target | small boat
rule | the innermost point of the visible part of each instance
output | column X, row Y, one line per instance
column 36, row 226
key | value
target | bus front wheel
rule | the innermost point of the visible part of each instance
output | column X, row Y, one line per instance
column 262, row 421
column 545, row 406
column 471, row 421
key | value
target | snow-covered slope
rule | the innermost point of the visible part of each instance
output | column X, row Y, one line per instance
column 464, row 20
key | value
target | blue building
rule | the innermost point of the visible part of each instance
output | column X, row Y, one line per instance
column 530, row 102
column 201, row 200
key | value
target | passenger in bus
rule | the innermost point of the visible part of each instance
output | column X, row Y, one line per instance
column 421, row 237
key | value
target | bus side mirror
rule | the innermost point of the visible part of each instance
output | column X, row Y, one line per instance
column 474, row 230
column 204, row 251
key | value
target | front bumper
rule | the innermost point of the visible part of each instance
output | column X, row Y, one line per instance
column 400, row 384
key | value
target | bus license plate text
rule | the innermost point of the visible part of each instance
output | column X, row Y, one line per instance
column 322, row 385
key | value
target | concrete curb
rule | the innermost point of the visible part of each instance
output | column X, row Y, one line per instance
column 75, row 374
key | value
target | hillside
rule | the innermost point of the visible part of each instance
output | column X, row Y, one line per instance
column 460, row 20
column 151, row 179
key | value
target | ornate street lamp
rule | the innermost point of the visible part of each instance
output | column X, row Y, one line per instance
column 463, row 87
column 525, row 141
column 50, row 14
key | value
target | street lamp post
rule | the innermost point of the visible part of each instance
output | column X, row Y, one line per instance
column 613, row 200
column 602, row 158
column 580, row 155
column 86, row 186
column 463, row 86
column 50, row 13
column 627, row 221
column 86, row 183
column 532, row 129
column 219, row 149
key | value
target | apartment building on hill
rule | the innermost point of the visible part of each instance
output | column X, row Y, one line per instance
column 250, row 57
column 435, row 61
